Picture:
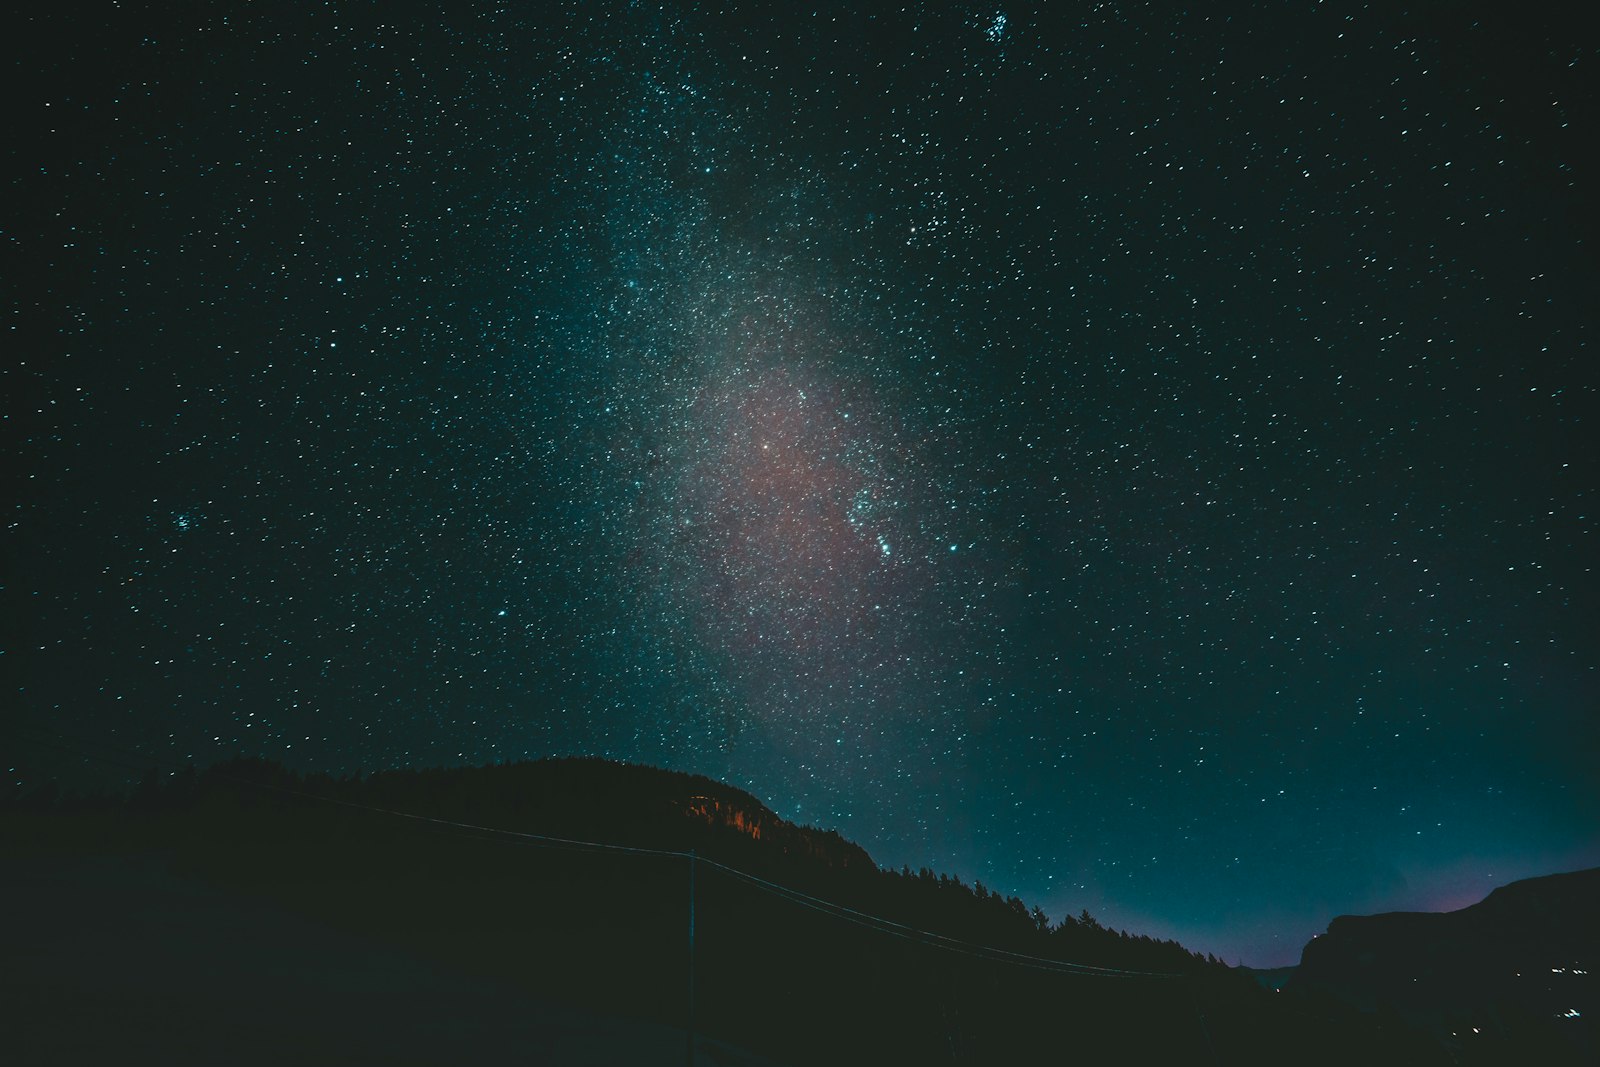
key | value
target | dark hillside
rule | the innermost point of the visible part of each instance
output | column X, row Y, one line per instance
column 1511, row 977
column 447, row 921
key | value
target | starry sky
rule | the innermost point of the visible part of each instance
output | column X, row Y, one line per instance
column 1135, row 456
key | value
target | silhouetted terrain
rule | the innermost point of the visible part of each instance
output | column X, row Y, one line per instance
column 247, row 914
column 1509, row 978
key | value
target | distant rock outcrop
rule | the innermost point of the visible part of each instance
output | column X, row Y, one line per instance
column 1516, row 969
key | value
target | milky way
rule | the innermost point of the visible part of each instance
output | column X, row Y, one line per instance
column 1138, row 458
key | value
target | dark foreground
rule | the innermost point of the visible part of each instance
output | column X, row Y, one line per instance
column 232, row 929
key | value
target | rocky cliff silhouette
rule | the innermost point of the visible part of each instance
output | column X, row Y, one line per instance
column 1514, row 974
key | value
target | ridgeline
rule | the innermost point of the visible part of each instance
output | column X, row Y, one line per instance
column 550, row 903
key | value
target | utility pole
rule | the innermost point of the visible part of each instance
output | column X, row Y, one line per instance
column 689, row 1037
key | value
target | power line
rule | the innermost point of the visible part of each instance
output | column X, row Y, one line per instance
column 912, row 933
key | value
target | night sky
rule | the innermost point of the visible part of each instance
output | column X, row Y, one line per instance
column 1140, row 459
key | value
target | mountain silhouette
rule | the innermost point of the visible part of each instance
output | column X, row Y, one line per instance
column 1511, row 976
column 574, row 911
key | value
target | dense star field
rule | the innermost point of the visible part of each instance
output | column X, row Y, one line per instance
column 1141, row 459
